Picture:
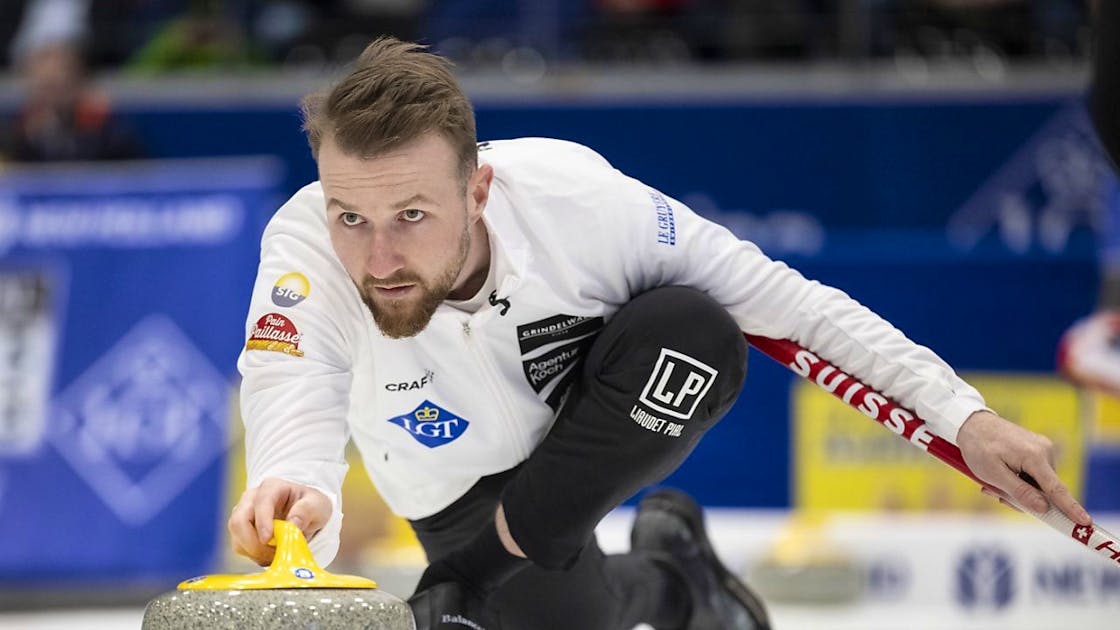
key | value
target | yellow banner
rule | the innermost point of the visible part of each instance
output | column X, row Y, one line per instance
column 1104, row 417
column 844, row 461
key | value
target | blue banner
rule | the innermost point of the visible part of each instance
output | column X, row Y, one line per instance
column 121, row 289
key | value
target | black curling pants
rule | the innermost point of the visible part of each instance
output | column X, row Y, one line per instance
column 665, row 369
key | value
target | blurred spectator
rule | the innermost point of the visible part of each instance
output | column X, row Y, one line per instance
column 481, row 33
column 781, row 29
column 306, row 34
column 205, row 37
column 958, row 28
column 62, row 117
column 159, row 34
column 113, row 29
column 650, row 31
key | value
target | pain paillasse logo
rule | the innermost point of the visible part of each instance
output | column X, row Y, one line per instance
column 275, row 333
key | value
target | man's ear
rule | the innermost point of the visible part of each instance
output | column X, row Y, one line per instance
column 478, row 191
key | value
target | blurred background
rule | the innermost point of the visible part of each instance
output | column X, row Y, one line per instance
column 933, row 158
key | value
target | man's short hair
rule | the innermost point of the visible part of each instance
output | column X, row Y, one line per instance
column 396, row 93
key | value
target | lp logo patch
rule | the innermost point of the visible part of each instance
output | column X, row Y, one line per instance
column 431, row 426
column 677, row 384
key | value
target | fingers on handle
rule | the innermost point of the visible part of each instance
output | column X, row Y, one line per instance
column 271, row 502
column 250, row 523
column 999, row 498
column 243, row 534
column 1058, row 494
column 1025, row 494
column 241, row 531
column 307, row 513
column 263, row 556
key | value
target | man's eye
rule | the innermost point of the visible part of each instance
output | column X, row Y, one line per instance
column 350, row 219
column 412, row 215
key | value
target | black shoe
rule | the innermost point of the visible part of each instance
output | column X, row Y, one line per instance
column 449, row 606
column 670, row 524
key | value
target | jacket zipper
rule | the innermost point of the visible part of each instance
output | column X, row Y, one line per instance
column 493, row 383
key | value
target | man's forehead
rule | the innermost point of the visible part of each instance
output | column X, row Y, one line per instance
column 398, row 167
column 428, row 147
column 350, row 175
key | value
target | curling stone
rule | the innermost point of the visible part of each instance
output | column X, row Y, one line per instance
column 293, row 593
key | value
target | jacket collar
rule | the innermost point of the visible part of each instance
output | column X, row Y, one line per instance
column 509, row 248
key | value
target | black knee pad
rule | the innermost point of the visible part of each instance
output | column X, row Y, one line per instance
column 677, row 354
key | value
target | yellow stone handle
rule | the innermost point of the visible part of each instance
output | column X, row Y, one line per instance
column 292, row 567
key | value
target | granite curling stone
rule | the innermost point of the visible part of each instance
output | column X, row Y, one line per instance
column 293, row 593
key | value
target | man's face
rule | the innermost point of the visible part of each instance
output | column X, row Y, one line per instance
column 400, row 223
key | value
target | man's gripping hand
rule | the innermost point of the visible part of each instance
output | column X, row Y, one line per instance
column 250, row 522
column 1000, row 452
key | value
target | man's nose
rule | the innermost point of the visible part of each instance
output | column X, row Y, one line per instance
column 384, row 258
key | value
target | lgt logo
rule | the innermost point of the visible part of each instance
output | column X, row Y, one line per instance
column 144, row 420
column 677, row 384
column 431, row 425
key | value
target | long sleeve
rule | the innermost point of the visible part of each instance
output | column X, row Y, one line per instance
column 675, row 246
column 296, row 366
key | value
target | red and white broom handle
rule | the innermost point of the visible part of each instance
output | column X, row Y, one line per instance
column 907, row 425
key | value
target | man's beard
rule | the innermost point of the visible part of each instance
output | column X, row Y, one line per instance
column 398, row 319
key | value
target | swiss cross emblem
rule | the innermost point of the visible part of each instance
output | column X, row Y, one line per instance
column 1083, row 533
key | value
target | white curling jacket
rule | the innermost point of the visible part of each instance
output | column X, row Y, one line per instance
column 572, row 240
